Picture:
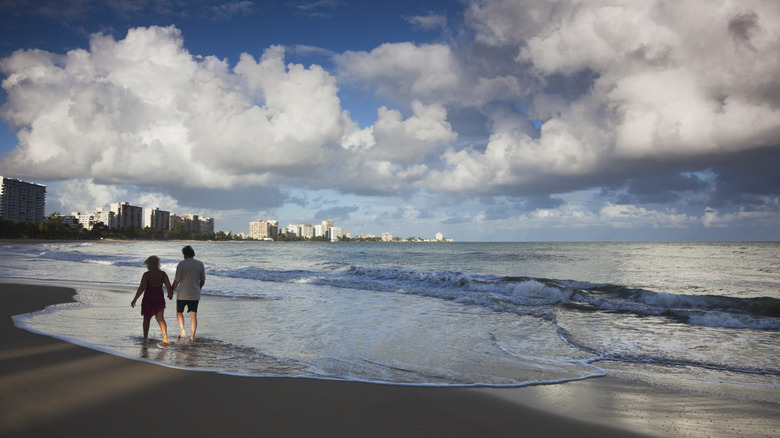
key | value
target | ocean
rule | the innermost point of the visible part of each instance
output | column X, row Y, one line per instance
column 700, row 317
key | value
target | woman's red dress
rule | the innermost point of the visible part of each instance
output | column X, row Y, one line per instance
column 153, row 301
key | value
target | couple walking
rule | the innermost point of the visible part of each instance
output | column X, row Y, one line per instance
column 189, row 279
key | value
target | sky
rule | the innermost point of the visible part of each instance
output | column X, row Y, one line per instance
column 484, row 120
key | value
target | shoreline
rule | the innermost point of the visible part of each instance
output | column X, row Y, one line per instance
column 51, row 387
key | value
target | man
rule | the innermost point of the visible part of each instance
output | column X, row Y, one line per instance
column 190, row 275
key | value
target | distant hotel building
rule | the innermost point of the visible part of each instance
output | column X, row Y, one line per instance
column 84, row 220
column 306, row 231
column 89, row 219
column 191, row 222
column 261, row 229
column 156, row 218
column 269, row 230
column 106, row 217
column 127, row 216
column 206, row 224
column 334, row 233
column 22, row 201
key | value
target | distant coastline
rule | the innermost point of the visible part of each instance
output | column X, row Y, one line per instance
column 33, row 241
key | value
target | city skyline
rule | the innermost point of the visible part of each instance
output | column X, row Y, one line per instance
column 486, row 120
column 124, row 214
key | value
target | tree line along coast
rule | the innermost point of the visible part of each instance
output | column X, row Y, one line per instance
column 53, row 227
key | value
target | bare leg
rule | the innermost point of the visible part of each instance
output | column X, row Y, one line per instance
column 163, row 325
column 193, row 324
column 180, row 318
column 146, row 328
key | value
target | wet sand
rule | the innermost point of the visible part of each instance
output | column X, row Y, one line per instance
column 50, row 387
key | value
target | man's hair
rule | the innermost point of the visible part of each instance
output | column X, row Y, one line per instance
column 188, row 251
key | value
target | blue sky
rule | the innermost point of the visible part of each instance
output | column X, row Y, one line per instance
column 480, row 119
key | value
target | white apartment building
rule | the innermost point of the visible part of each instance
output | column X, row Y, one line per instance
column 207, row 224
column 334, row 233
column 306, row 231
column 193, row 223
column 85, row 220
column 22, row 201
column 156, row 218
column 106, row 217
column 387, row 237
column 127, row 216
column 261, row 229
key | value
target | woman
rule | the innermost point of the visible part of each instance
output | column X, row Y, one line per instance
column 153, row 303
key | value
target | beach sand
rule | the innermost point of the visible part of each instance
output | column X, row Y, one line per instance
column 50, row 387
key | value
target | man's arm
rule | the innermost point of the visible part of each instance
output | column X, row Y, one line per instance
column 173, row 286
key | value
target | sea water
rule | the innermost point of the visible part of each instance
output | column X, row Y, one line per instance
column 703, row 317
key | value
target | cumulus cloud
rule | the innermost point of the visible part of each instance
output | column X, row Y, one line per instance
column 413, row 139
column 144, row 111
column 665, row 84
column 403, row 71
column 336, row 214
column 84, row 195
column 534, row 100
column 428, row 22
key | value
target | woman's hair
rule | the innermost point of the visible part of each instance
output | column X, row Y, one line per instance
column 153, row 262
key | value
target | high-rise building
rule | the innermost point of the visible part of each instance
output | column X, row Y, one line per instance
column 306, row 231
column 191, row 222
column 156, row 218
column 261, row 229
column 207, row 224
column 334, row 233
column 258, row 229
column 106, row 217
column 22, row 201
column 85, row 220
column 127, row 216
column 174, row 221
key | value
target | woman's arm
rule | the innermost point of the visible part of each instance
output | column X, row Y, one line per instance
column 140, row 290
column 168, row 285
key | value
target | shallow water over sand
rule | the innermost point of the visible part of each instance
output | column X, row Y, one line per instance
column 674, row 314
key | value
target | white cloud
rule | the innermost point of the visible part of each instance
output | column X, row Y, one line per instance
column 630, row 216
column 624, row 89
column 669, row 82
column 428, row 22
column 84, row 195
column 411, row 140
column 766, row 217
column 144, row 111
column 404, row 71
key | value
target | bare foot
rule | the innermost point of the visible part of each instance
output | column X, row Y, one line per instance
column 182, row 335
column 192, row 338
column 165, row 340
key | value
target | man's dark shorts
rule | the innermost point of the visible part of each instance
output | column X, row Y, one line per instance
column 191, row 304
